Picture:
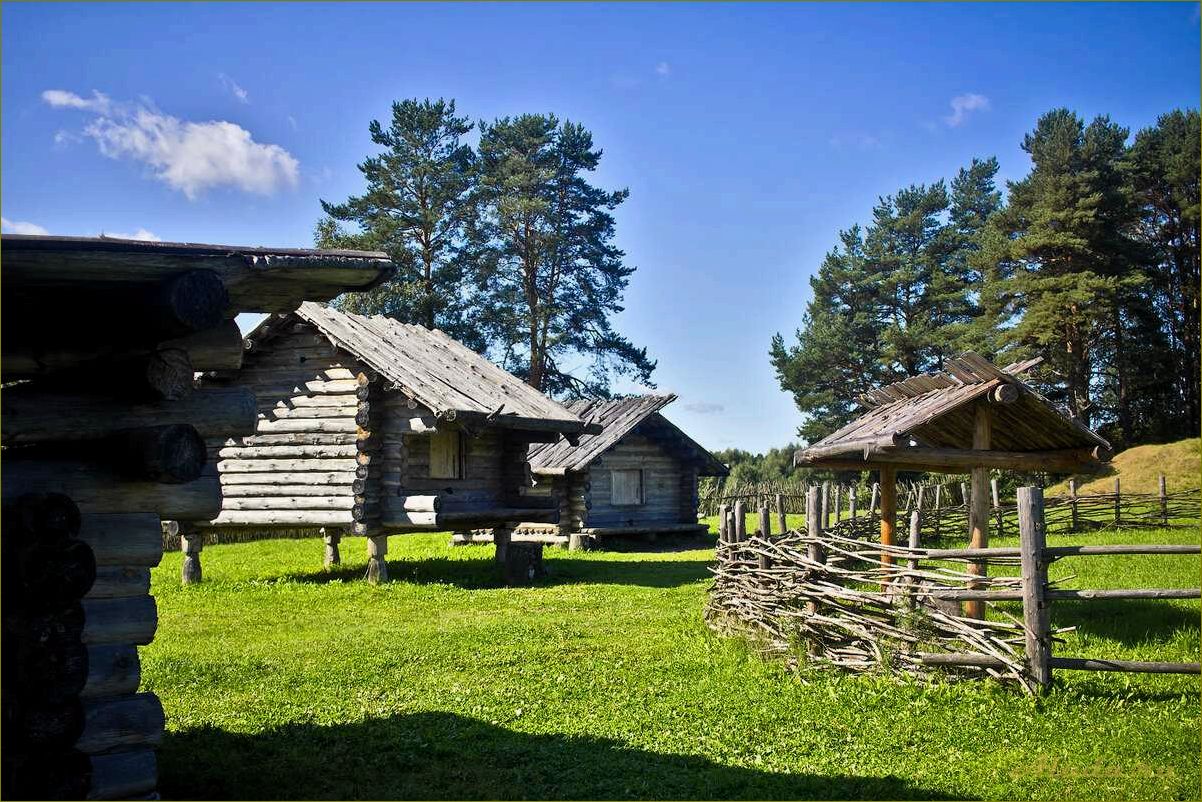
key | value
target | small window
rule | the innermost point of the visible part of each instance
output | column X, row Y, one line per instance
column 627, row 487
column 446, row 455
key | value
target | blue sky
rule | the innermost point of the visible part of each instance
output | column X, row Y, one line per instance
column 748, row 135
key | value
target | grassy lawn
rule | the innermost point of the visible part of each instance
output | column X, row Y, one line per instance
column 281, row 680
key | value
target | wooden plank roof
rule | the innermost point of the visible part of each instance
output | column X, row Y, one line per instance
column 618, row 417
column 257, row 279
column 936, row 411
column 441, row 374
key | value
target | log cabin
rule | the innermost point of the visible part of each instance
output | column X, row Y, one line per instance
column 637, row 476
column 104, row 438
column 373, row 427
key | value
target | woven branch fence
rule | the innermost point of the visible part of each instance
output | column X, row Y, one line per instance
column 819, row 600
column 943, row 509
column 836, row 596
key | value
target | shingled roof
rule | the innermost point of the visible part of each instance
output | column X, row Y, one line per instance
column 441, row 374
column 619, row 417
column 920, row 421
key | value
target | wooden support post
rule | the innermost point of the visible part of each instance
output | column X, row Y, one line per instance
column 1032, row 540
column 978, row 514
column 874, row 500
column 1118, row 505
column 502, row 536
column 377, row 568
column 1072, row 503
column 997, row 504
column 888, row 511
column 577, row 541
column 1164, row 501
column 837, row 502
column 938, row 508
column 331, row 537
column 825, row 503
column 191, row 541
column 814, row 551
column 781, row 518
column 740, row 522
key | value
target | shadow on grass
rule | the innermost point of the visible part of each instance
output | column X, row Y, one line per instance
column 1126, row 621
column 482, row 572
column 447, row 756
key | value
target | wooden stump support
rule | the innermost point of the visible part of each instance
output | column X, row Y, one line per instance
column 1032, row 532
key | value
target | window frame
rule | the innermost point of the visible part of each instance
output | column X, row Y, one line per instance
column 460, row 458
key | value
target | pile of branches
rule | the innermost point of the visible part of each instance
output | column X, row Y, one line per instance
column 832, row 601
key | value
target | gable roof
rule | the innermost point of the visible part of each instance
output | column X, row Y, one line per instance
column 441, row 374
column 257, row 279
column 936, row 412
column 619, row 417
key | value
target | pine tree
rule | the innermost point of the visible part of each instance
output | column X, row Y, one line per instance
column 416, row 208
column 1162, row 168
column 550, row 273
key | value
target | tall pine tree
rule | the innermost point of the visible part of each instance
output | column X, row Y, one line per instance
column 416, row 207
column 550, row 273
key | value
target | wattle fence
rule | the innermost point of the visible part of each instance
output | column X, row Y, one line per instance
column 836, row 597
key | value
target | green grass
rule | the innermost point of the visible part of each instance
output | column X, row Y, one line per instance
column 280, row 680
column 1139, row 470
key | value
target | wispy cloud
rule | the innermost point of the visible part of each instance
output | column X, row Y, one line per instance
column 61, row 99
column 703, row 408
column 963, row 105
column 232, row 87
column 663, row 69
column 20, row 227
column 141, row 234
column 187, row 156
column 292, row 122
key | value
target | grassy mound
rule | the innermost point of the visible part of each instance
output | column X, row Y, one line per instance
column 1139, row 470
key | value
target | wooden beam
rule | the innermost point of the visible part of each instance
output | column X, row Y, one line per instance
column 888, row 510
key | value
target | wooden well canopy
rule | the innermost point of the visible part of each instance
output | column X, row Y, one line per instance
column 934, row 423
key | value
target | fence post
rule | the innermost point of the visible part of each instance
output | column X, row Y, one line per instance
column 723, row 535
column 825, row 503
column 838, row 504
column 938, row 500
column 997, row 505
column 1118, row 512
column 1072, row 503
column 913, row 543
column 922, row 490
column 872, row 502
column 1164, row 502
column 740, row 521
column 765, row 533
column 780, row 513
column 815, row 529
column 851, row 501
column 964, row 495
column 1032, row 534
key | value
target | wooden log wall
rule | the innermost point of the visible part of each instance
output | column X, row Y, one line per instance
column 107, row 417
column 308, row 461
column 662, row 484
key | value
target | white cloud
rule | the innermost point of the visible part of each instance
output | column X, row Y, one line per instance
column 232, row 87
column 141, row 233
column 63, row 137
column 962, row 105
column 20, row 227
column 663, row 69
column 188, row 156
column 62, row 99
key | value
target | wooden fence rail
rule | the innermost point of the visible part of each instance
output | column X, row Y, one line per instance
column 854, row 600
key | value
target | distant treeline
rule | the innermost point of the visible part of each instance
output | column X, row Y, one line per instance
column 1091, row 261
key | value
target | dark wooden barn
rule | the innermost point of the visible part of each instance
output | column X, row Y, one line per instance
column 637, row 476
column 104, row 439
column 374, row 427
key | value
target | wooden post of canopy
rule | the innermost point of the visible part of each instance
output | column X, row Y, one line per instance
column 978, row 514
column 888, row 511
